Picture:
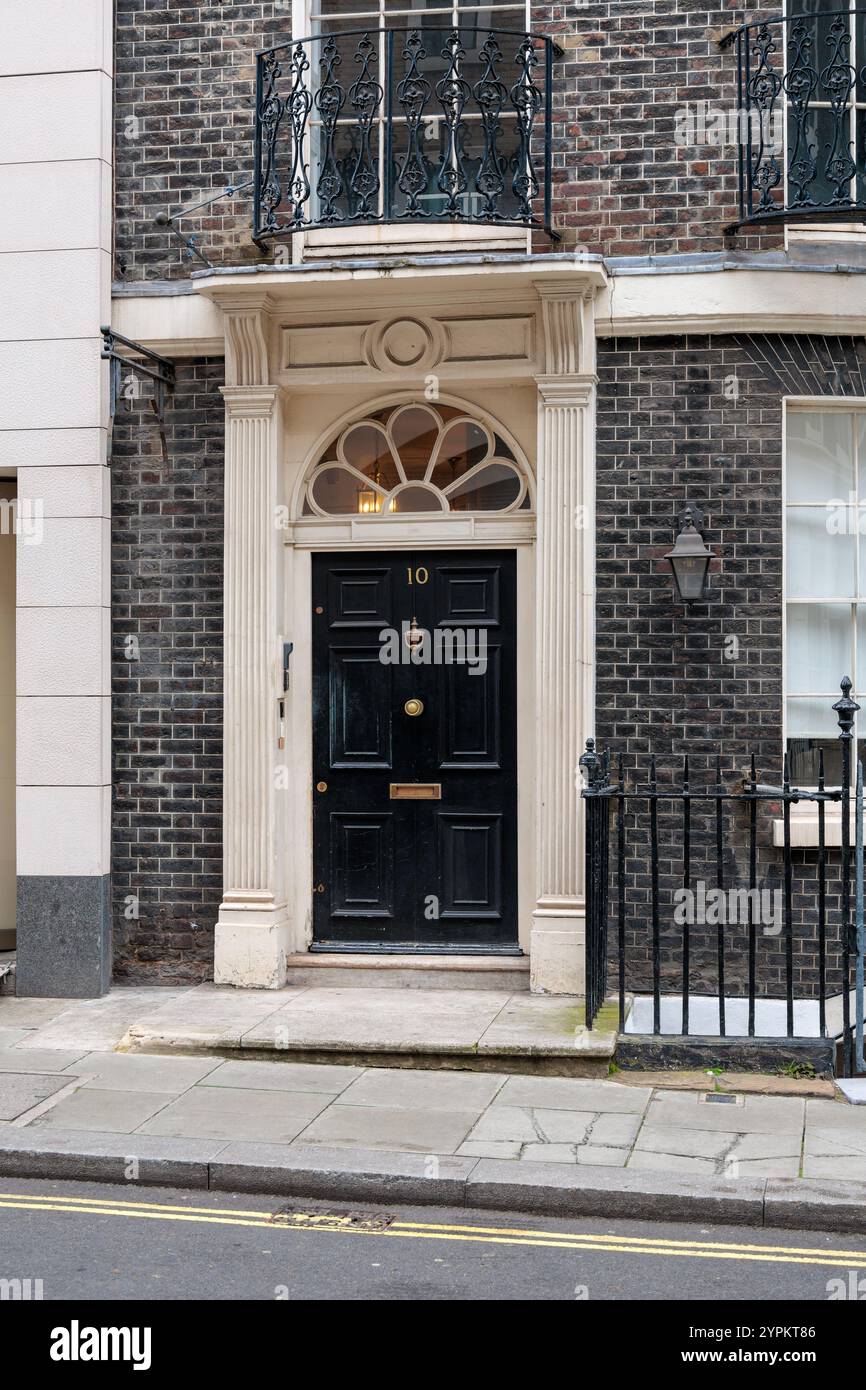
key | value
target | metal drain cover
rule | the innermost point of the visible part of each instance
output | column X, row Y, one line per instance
column 719, row 1098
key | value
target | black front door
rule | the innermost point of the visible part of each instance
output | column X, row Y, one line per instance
column 415, row 751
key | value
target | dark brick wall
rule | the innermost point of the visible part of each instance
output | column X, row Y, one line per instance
column 623, row 185
column 167, row 584
column 666, row 683
column 184, row 119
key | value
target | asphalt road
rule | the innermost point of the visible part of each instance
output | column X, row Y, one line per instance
column 91, row 1241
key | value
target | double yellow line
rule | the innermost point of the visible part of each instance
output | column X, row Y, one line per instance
column 665, row 1246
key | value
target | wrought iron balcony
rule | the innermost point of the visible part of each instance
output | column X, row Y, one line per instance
column 802, row 117
column 367, row 126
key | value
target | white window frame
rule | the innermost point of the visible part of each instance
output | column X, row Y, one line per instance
column 846, row 405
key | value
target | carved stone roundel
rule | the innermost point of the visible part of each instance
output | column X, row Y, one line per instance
column 405, row 345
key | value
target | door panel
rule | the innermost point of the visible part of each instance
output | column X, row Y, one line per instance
column 393, row 872
column 360, row 700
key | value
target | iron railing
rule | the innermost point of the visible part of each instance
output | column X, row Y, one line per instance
column 700, row 836
column 801, row 92
column 371, row 126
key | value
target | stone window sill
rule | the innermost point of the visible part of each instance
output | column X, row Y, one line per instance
column 804, row 830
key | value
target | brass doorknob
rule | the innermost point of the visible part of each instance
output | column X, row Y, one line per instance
column 414, row 707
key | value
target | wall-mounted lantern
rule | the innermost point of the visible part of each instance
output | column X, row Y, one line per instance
column 690, row 558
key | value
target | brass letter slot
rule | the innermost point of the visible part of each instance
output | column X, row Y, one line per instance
column 416, row 791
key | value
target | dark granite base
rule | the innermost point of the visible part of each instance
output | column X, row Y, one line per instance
column 64, row 937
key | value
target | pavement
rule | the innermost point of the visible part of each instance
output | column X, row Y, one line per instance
column 680, row 1147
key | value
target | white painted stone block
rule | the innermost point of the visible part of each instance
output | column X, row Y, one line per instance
column 64, row 830
column 556, row 960
column 64, row 492
column 64, row 651
column 53, row 294
column 60, row 448
column 69, row 568
column 56, row 116
column 55, row 384
column 63, row 741
column 55, row 36
column 82, row 188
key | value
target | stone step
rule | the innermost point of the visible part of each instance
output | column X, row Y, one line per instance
column 354, row 970
column 472, row 1030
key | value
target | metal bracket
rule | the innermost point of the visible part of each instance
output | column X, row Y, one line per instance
column 693, row 514
column 190, row 243
column 144, row 363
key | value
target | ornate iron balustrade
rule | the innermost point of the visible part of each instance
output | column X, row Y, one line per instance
column 371, row 126
column 802, row 117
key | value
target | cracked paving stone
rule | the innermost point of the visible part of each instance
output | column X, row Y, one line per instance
column 506, row 1122
column 548, row 1153
column 562, row 1126
column 689, row 1143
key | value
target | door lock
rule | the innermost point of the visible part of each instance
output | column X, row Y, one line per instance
column 321, row 786
column 414, row 707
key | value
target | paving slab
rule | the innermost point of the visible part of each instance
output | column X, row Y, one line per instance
column 118, row 1112
column 548, row 1153
column 52, row 1059
column 833, row 1144
column 374, row 1127
column 768, row 1146
column 423, row 1090
column 370, row 1020
column 598, row 1154
column 835, row 1115
column 615, row 1131
column 119, row 1071
column 757, row 1114
column 690, row 1143
column 574, row 1093
column 30, row 1013
column 762, row 1168
column 580, row 1190
column 503, row 1148
column 283, row 1076
column 843, row 1166
column 512, row 1122
column 10, row 1036
column 20, row 1093
column 218, row 1112
column 342, row 1174
column 853, row 1088
column 562, row 1126
column 643, row 1161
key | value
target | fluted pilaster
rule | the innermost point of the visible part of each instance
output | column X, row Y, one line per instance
column 250, row 946
column 564, row 633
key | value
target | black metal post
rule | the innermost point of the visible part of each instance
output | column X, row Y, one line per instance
column 846, row 708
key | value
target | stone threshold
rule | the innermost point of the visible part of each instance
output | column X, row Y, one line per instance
column 386, row 970
column 381, row 1176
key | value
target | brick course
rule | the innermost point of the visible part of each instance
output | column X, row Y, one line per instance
column 167, row 580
